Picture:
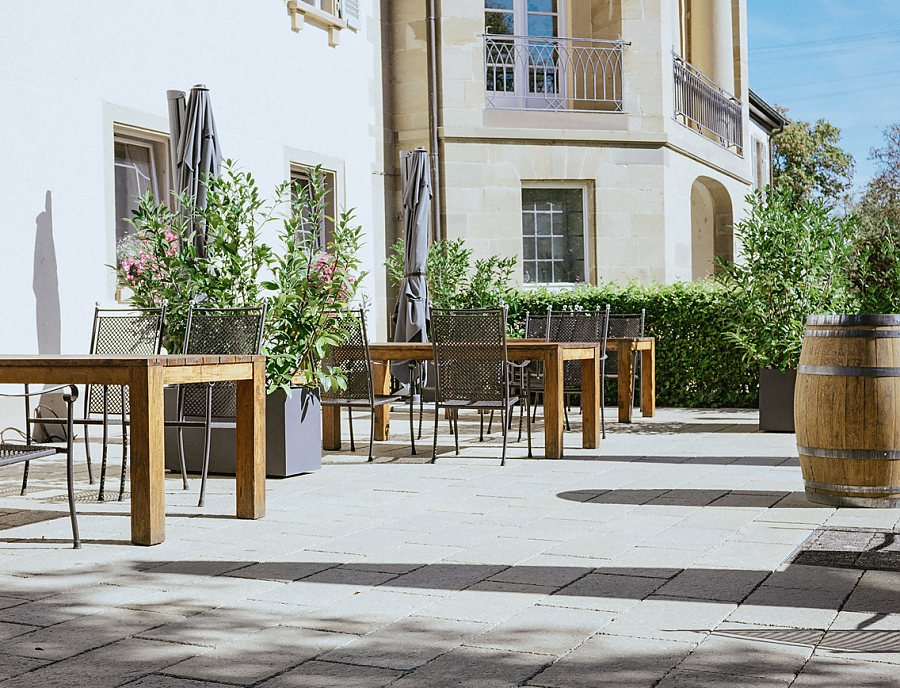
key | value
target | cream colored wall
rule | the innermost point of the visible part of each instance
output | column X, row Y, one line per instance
column 638, row 165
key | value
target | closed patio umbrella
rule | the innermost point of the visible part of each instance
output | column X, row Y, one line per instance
column 195, row 148
column 412, row 302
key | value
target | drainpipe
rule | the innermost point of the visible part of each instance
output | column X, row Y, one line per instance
column 437, row 208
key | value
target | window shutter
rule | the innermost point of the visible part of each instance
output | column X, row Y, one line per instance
column 350, row 12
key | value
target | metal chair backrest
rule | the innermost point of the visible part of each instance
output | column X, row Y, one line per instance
column 222, row 331
column 623, row 325
column 470, row 354
column 578, row 326
column 351, row 357
column 537, row 326
column 122, row 332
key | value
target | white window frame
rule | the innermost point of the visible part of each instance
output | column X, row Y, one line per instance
column 521, row 98
column 300, row 173
column 158, row 145
column 586, row 228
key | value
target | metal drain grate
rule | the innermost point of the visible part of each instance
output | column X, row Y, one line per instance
column 850, row 548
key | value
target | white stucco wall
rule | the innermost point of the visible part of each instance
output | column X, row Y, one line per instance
column 70, row 73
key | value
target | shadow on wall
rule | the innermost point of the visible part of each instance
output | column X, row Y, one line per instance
column 45, row 283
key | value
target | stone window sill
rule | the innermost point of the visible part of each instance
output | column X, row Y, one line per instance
column 301, row 13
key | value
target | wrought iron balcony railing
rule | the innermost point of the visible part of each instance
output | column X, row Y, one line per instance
column 704, row 106
column 530, row 73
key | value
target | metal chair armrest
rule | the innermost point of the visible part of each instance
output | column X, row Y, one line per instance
column 71, row 395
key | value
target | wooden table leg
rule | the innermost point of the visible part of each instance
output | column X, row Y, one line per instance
column 382, row 381
column 590, row 401
column 250, row 450
column 553, row 404
column 648, row 381
column 148, row 470
column 331, row 428
column 626, row 382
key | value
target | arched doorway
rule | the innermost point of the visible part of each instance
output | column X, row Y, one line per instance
column 711, row 233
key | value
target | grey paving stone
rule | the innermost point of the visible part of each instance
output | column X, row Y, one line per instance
column 220, row 625
column 760, row 657
column 713, row 584
column 11, row 666
column 281, row 570
column 616, row 662
column 84, row 633
column 259, row 656
column 483, row 605
column 365, row 612
column 318, row 674
column 669, row 619
column 544, row 630
column 108, row 666
column 841, row 581
column 830, row 672
column 770, row 606
column 607, row 592
column 542, row 570
column 447, row 577
column 472, row 667
column 172, row 682
column 679, row 678
column 875, row 593
column 406, row 644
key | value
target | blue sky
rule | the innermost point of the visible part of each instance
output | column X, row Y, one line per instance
column 832, row 59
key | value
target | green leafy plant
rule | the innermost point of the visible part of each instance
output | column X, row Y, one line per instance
column 795, row 258
column 875, row 270
column 302, row 281
column 696, row 366
column 453, row 281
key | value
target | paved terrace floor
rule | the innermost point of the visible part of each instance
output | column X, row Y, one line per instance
column 661, row 559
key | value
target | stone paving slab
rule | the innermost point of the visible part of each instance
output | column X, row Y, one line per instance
column 661, row 559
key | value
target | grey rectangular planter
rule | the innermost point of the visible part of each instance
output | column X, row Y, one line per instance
column 293, row 437
column 776, row 400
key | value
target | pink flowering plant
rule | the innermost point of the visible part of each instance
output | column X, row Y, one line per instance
column 309, row 283
column 301, row 279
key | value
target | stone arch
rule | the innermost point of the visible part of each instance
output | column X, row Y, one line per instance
column 711, row 233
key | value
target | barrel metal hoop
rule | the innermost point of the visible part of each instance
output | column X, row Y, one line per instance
column 866, row 334
column 860, row 454
column 850, row 371
column 860, row 489
column 871, row 320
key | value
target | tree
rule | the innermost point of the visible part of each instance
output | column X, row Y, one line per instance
column 879, row 207
column 809, row 163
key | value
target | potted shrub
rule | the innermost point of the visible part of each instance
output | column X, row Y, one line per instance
column 794, row 256
column 848, row 439
column 300, row 278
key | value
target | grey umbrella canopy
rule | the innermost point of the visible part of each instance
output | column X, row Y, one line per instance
column 195, row 148
column 412, row 302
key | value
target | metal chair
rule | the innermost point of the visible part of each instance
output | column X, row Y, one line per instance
column 472, row 368
column 221, row 331
column 28, row 452
column 116, row 332
column 625, row 325
column 581, row 326
column 537, row 326
column 355, row 362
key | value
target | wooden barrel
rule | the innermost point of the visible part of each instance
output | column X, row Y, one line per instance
column 847, row 410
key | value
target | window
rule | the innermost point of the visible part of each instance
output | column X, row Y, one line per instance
column 333, row 15
column 140, row 167
column 324, row 232
column 553, row 235
column 525, row 68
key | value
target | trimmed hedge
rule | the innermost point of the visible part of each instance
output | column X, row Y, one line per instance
column 696, row 366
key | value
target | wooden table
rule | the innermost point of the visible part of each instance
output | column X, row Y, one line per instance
column 552, row 354
column 625, row 347
column 146, row 376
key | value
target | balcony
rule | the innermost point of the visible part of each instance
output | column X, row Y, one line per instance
column 531, row 73
column 707, row 108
